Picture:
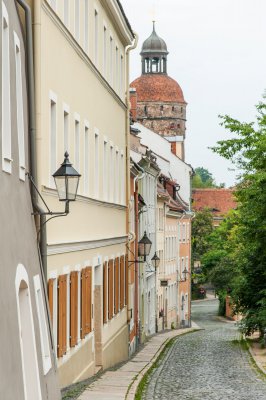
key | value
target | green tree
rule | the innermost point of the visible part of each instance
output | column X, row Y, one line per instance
column 201, row 229
column 203, row 178
column 247, row 252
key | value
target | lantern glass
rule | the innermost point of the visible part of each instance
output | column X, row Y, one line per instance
column 144, row 246
column 67, row 187
column 155, row 261
column 66, row 180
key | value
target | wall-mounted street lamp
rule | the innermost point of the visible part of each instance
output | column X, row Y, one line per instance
column 183, row 276
column 144, row 247
column 66, row 181
column 155, row 261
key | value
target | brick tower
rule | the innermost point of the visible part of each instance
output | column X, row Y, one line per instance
column 159, row 101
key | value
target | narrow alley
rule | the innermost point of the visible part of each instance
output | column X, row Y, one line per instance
column 208, row 364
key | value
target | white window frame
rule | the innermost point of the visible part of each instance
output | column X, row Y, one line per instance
column 45, row 347
column 86, row 157
column 77, row 140
column 117, row 175
column 121, row 75
column 86, row 26
column 105, row 169
column 105, row 50
column 111, row 58
column 53, row 136
column 20, row 109
column 6, row 97
column 96, row 163
column 66, row 111
column 77, row 20
column 122, row 177
column 111, row 174
column 96, row 35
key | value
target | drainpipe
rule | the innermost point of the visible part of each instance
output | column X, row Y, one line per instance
column 32, row 132
column 127, row 127
column 136, row 295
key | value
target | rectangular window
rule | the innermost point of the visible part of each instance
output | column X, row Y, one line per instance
column 20, row 111
column 45, row 349
column 117, row 177
column 111, row 175
column 126, row 279
column 122, row 282
column 110, row 289
column 111, row 60
column 105, row 171
column 77, row 19
column 53, row 142
column 86, row 301
column 66, row 13
column 86, row 160
column 77, row 143
column 86, row 26
column 122, row 178
column 95, row 37
column 116, row 78
column 73, row 308
column 66, row 128
column 6, row 108
column 104, row 52
column 122, row 76
column 62, row 315
column 105, row 291
column 116, row 286
column 184, row 232
column 96, row 165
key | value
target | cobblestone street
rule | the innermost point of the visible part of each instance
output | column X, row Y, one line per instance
column 207, row 364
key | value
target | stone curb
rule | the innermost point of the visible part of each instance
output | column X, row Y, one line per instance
column 138, row 377
column 254, row 357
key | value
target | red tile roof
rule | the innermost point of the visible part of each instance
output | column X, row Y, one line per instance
column 156, row 87
column 219, row 201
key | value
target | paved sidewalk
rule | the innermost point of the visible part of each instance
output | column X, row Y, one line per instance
column 113, row 385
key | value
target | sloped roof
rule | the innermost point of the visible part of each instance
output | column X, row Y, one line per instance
column 219, row 201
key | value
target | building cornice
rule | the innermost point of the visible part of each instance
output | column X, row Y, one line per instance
column 70, row 247
column 120, row 20
column 71, row 40
column 84, row 199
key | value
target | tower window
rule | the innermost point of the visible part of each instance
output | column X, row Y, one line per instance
column 145, row 110
column 173, row 108
column 161, row 108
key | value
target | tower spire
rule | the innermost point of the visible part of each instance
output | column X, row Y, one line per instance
column 153, row 22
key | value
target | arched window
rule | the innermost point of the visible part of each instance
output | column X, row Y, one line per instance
column 30, row 370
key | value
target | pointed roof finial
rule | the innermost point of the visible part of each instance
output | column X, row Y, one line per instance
column 153, row 25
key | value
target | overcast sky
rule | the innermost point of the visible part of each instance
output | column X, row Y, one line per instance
column 217, row 53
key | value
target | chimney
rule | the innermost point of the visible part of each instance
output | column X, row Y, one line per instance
column 133, row 101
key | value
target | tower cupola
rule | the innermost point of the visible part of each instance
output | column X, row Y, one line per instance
column 154, row 54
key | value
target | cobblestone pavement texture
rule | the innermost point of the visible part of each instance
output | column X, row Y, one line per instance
column 207, row 364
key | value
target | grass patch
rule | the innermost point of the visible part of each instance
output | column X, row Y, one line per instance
column 244, row 343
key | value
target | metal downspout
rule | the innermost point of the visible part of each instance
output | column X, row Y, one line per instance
column 32, row 131
column 127, row 125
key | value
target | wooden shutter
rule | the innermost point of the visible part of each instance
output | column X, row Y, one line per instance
column 122, row 282
column 73, row 308
column 126, row 280
column 50, row 292
column 86, row 293
column 116, row 285
column 62, row 309
column 110, row 289
column 105, row 277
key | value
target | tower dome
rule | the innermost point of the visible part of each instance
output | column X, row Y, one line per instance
column 154, row 54
column 154, row 44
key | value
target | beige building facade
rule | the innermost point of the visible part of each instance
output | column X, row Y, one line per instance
column 81, row 72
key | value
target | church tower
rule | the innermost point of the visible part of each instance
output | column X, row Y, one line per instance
column 160, row 104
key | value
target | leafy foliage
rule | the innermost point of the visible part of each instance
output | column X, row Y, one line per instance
column 201, row 229
column 243, row 268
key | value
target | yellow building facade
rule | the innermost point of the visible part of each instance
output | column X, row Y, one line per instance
column 81, row 51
